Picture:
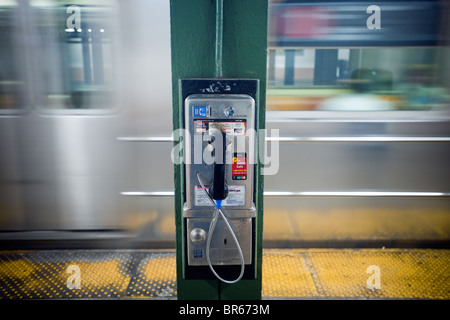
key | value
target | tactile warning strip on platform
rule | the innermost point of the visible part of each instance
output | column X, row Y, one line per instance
column 364, row 273
column 87, row 274
column 287, row 273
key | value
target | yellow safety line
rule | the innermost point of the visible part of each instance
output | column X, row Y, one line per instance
column 287, row 273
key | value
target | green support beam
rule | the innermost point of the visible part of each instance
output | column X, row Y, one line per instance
column 243, row 54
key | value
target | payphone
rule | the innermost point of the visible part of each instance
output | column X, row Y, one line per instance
column 219, row 151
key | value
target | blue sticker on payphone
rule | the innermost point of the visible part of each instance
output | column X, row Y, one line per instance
column 198, row 253
column 201, row 111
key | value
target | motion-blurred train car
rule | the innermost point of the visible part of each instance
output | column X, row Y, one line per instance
column 74, row 77
column 357, row 90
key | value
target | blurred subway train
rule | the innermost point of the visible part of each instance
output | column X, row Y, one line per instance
column 360, row 97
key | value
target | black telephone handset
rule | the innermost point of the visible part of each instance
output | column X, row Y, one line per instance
column 219, row 190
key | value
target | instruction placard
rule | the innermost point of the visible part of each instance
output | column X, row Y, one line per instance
column 236, row 196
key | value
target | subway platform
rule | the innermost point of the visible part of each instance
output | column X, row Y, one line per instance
column 287, row 274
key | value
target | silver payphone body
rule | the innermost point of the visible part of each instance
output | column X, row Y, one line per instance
column 219, row 153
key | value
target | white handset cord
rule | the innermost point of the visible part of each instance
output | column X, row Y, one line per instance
column 212, row 226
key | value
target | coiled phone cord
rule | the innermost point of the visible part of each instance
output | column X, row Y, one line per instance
column 212, row 226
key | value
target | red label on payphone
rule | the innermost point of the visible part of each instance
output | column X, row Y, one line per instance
column 239, row 166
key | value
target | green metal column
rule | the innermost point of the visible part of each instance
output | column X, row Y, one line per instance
column 194, row 55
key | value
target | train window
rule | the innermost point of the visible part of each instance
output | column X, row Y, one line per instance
column 75, row 55
column 356, row 79
column 331, row 56
column 12, row 84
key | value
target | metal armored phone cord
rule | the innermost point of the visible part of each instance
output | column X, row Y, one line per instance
column 212, row 226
